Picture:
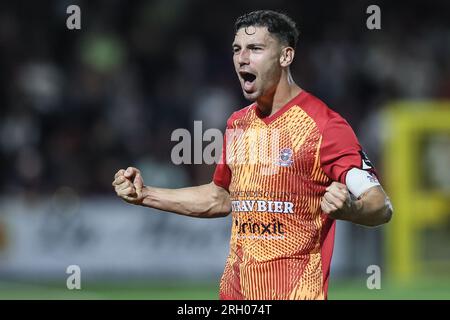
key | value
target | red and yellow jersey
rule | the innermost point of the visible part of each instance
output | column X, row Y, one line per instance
column 276, row 169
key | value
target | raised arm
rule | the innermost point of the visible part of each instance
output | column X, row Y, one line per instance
column 371, row 209
column 205, row 201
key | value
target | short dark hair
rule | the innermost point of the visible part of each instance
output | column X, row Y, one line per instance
column 277, row 23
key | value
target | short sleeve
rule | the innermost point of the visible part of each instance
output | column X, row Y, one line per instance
column 340, row 150
column 222, row 174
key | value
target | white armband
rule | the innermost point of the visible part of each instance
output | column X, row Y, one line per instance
column 359, row 181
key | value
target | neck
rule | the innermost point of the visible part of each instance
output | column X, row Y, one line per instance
column 285, row 90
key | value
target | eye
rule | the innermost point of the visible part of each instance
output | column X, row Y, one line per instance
column 236, row 49
column 256, row 49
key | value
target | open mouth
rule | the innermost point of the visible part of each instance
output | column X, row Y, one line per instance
column 249, row 80
column 247, row 76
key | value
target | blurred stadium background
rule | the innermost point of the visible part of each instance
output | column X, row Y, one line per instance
column 78, row 105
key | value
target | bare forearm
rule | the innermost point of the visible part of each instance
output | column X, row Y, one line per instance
column 372, row 209
column 205, row 201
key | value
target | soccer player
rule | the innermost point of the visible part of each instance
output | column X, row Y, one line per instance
column 283, row 203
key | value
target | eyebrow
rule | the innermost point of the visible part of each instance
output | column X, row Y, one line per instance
column 250, row 45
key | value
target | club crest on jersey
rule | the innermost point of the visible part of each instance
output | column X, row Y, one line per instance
column 285, row 159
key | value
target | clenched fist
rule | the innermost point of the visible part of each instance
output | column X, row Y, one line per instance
column 336, row 201
column 128, row 185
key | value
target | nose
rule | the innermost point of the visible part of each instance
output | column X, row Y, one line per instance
column 243, row 58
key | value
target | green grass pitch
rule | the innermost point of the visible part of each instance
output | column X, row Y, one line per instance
column 338, row 290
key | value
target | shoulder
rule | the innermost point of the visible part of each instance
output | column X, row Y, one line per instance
column 321, row 113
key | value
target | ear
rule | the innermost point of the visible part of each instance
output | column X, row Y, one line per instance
column 287, row 56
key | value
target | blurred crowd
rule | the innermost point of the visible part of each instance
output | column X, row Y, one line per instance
column 77, row 105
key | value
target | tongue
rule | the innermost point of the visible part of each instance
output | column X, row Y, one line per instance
column 248, row 85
